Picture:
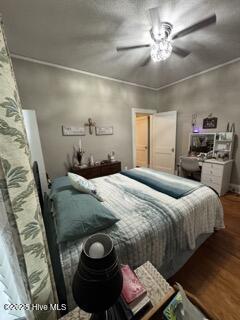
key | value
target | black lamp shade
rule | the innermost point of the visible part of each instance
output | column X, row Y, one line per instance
column 97, row 283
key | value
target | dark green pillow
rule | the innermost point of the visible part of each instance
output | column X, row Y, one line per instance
column 79, row 215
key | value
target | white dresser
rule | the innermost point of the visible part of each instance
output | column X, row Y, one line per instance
column 217, row 174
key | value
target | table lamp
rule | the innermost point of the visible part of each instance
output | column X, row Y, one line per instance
column 97, row 283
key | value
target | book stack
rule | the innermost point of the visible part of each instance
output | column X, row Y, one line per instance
column 134, row 295
column 157, row 287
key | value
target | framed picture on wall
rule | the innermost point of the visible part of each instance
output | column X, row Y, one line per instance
column 210, row 123
column 102, row 131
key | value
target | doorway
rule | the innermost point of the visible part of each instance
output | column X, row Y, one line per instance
column 142, row 140
column 154, row 139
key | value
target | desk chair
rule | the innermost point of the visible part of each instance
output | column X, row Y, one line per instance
column 190, row 168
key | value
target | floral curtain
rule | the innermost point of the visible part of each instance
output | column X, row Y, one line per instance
column 25, row 269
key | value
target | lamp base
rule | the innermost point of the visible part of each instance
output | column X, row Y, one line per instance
column 99, row 316
column 110, row 314
column 106, row 315
column 118, row 311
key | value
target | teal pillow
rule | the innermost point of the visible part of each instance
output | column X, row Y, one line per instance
column 79, row 215
column 62, row 183
column 59, row 184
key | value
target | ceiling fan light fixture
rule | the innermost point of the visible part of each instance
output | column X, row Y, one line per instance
column 161, row 50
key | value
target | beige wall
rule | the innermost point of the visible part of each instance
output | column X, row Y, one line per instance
column 216, row 92
column 64, row 97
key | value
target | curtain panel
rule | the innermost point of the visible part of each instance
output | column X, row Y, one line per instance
column 22, row 232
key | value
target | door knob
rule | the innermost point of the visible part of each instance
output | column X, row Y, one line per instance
column 172, row 149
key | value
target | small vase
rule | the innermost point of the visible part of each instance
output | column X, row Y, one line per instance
column 79, row 158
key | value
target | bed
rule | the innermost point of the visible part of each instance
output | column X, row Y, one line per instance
column 153, row 225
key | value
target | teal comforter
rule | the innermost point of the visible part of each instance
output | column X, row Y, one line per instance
column 169, row 184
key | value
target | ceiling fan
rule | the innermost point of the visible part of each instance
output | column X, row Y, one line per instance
column 162, row 44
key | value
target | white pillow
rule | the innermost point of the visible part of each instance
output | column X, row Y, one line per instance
column 81, row 184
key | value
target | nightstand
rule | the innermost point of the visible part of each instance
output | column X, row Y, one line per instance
column 159, row 291
column 100, row 170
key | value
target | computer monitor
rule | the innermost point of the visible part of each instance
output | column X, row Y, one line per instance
column 201, row 142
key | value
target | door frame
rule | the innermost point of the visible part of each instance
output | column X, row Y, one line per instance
column 148, row 112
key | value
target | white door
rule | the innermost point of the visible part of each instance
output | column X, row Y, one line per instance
column 142, row 141
column 163, row 141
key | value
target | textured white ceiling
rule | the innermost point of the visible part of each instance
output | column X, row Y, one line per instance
column 83, row 34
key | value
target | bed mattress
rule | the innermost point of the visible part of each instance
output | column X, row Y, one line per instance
column 153, row 226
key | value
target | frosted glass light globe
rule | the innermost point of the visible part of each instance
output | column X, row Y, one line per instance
column 96, row 250
column 161, row 50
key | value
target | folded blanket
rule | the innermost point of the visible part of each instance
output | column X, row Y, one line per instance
column 169, row 184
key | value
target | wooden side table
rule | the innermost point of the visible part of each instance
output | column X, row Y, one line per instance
column 159, row 291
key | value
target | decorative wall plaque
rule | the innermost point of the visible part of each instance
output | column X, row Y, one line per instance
column 101, row 131
column 73, row 131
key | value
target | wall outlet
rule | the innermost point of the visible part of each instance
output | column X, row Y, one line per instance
column 125, row 168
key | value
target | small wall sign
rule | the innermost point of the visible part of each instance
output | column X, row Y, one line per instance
column 73, row 131
column 101, row 131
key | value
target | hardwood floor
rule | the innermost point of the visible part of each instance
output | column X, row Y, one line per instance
column 213, row 272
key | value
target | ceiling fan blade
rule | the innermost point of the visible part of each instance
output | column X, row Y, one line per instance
column 133, row 47
column 155, row 18
column 146, row 61
column 180, row 52
column 196, row 26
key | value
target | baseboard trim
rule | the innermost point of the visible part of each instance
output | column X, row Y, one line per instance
column 234, row 188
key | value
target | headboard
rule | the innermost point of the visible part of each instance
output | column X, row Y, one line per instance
column 38, row 182
column 51, row 239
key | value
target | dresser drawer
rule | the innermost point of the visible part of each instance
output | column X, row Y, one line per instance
column 99, row 170
column 88, row 173
column 212, row 169
column 111, row 169
column 211, row 179
column 92, row 173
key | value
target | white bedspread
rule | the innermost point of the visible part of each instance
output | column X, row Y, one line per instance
column 152, row 226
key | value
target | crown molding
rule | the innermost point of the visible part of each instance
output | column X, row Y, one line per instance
column 200, row 73
column 58, row 66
